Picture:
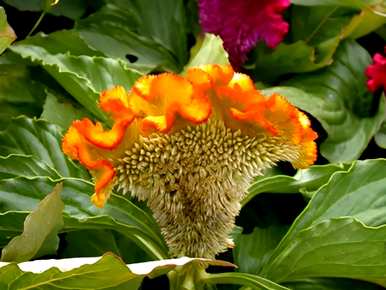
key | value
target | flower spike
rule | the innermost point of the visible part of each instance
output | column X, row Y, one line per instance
column 190, row 146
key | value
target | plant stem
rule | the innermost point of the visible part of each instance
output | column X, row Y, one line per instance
column 37, row 22
column 249, row 280
column 186, row 277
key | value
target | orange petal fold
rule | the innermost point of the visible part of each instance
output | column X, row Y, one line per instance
column 96, row 135
column 115, row 102
column 160, row 99
column 77, row 147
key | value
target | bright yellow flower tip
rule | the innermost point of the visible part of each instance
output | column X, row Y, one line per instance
column 190, row 146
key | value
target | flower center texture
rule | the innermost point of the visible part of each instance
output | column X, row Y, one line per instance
column 193, row 181
column 190, row 147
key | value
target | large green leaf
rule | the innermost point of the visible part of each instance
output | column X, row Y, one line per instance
column 89, row 273
column 97, row 242
column 337, row 96
column 253, row 250
column 268, row 64
column 17, row 85
column 40, row 231
column 154, row 19
column 244, row 279
column 26, row 166
column 366, row 22
column 106, row 272
column 22, row 195
column 357, row 192
column 20, row 92
column 62, row 112
column 84, row 77
column 345, row 3
column 40, row 140
column 25, row 184
column 73, row 9
column 208, row 49
column 61, row 42
column 7, row 35
column 380, row 137
column 315, row 35
column 332, row 284
column 342, row 247
column 314, row 25
column 358, row 195
column 304, row 181
column 69, row 8
column 32, row 5
column 140, row 31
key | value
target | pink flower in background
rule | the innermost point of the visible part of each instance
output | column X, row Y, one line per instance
column 376, row 73
column 242, row 23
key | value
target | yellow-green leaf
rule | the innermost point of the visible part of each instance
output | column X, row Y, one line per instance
column 41, row 227
column 7, row 35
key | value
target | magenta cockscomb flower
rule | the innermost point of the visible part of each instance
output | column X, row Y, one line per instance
column 376, row 73
column 241, row 24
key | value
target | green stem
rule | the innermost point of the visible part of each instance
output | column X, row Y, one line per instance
column 37, row 22
column 241, row 279
column 186, row 277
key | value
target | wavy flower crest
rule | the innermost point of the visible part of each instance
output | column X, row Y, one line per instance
column 190, row 145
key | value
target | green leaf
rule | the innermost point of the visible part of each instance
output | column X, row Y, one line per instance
column 42, row 141
column 325, row 23
column 22, row 195
column 366, row 22
column 304, row 181
column 294, row 57
column 7, row 35
column 155, row 19
column 253, row 250
column 344, row 3
column 243, row 279
column 314, row 25
column 61, row 42
column 41, row 227
column 380, row 137
column 26, row 166
column 316, row 33
column 341, row 247
column 32, row 5
column 331, row 284
column 357, row 194
column 84, row 77
column 107, row 272
column 20, row 92
column 208, row 49
column 337, row 96
column 73, row 9
column 17, row 85
column 68, row 111
column 382, row 32
column 97, row 242
column 140, row 32
column 86, row 273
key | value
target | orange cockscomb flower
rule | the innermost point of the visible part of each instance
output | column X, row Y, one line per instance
column 190, row 146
